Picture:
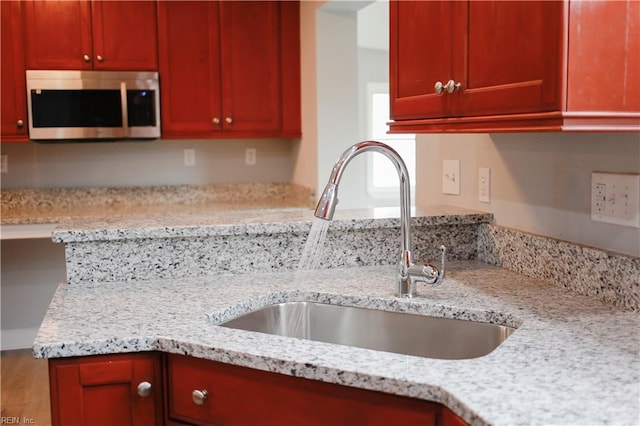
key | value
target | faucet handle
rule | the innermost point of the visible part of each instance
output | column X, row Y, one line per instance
column 430, row 273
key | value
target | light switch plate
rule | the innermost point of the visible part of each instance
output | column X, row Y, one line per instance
column 615, row 198
column 451, row 177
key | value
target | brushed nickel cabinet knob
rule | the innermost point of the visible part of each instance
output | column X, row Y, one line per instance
column 228, row 120
column 216, row 120
column 100, row 58
column 199, row 396
column 449, row 87
column 452, row 86
column 20, row 124
column 86, row 58
column 144, row 389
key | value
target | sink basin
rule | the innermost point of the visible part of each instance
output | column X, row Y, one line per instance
column 402, row 333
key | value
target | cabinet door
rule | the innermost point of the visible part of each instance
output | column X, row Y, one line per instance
column 612, row 82
column 104, row 390
column 231, row 395
column 57, row 34
column 250, row 46
column 13, row 89
column 510, row 61
column 290, row 68
column 189, row 44
column 421, row 48
column 124, row 35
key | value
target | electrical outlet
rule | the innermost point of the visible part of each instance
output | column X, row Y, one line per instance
column 250, row 157
column 4, row 163
column 484, row 184
column 615, row 198
column 189, row 157
column 451, row 177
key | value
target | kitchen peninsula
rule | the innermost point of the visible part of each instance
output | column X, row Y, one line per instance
column 573, row 359
column 32, row 265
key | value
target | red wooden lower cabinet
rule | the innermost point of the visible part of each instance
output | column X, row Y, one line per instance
column 153, row 389
column 205, row 392
column 122, row 389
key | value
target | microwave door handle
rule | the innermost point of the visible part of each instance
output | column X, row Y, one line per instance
column 125, row 114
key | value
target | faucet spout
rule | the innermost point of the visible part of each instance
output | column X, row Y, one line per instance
column 407, row 273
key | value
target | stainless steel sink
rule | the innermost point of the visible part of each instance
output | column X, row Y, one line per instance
column 402, row 333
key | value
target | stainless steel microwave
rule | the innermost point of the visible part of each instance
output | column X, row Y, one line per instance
column 93, row 105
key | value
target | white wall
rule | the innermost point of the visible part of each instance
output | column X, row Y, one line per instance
column 540, row 181
column 344, row 67
column 31, row 271
column 373, row 26
column 338, row 114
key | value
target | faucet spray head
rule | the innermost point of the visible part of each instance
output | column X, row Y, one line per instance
column 327, row 203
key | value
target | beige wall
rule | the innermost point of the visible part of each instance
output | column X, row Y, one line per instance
column 540, row 182
column 305, row 168
column 159, row 162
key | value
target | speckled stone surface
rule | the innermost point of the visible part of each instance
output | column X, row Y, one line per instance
column 54, row 205
column 574, row 360
column 609, row 276
column 254, row 241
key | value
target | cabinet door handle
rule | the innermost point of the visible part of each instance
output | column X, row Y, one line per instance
column 452, row 86
column 199, row 396
column 99, row 58
column 86, row 58
column 144, row 389
column 228, row 120
column 216, row 120
column 20, row 124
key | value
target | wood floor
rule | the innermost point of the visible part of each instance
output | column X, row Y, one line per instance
column 25, row 388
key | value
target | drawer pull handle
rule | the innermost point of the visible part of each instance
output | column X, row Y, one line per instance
column 144, row 389
column 199, row 396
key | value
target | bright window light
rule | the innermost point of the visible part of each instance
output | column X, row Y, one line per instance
column 382, row 182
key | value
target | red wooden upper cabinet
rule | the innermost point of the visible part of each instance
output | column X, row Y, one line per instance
column 229, row 69
column 14, row 101
column 486, row 66
column 91, row 34
column 123, row 389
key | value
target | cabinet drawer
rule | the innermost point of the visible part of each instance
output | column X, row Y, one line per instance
column 239, row 395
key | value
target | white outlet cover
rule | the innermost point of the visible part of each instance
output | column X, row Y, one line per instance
column 451, row 177
column 615, row 198
column 250, row 157
column 189, row 157
column 484, row 184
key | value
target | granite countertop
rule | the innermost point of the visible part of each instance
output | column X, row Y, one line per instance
column 572, row 360
column 253, row 221
column 60, row 205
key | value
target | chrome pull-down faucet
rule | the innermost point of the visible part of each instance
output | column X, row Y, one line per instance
column 408, row 274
